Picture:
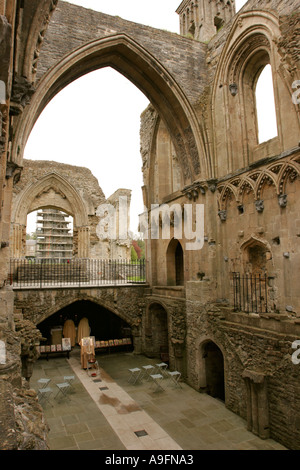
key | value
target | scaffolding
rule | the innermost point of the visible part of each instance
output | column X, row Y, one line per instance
column 54, row 240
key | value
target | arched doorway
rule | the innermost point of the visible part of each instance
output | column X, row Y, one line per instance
column 175, row 263
column 157, row 342
column 212, row 370
column 50, row 191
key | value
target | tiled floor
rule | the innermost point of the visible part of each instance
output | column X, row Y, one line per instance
column 107, row 412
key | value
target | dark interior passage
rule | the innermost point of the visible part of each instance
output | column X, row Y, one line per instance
column 214, row 366
column 104, row 324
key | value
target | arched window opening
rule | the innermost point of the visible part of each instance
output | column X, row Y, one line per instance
column 265, row 106
column 175, row 262
column 218, row 22
column 49, row 234
column 179, row 265
column 256, row 256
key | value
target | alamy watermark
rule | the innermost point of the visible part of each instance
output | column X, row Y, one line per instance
column 187, row 221
column 2, row 92
column 296, row 354
column 296, row 94
column 2, row 353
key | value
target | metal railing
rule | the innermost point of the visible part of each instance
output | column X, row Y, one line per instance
column 250, row 293
column 45, row 273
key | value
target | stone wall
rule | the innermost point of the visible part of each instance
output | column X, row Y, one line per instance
column 249, row 191
column 250, row 345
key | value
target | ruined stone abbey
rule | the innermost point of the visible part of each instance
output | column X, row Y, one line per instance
column 228, row 312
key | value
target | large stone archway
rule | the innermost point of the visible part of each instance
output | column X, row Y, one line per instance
column 55, row 191
column 127, row 303
column 73, row 190
column 146, row 72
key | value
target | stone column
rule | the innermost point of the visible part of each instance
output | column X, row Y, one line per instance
column 178, row 354
column 257, row 403
column 18, row 248
column 137, row 338
column 83, row 242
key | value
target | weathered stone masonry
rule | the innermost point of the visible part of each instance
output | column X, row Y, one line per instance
column 199, row 145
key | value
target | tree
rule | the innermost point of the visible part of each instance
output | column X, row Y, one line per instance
column 141, row 244
column 134, row 256
column 137, row 248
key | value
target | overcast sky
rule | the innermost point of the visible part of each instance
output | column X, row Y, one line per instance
column 97, row 118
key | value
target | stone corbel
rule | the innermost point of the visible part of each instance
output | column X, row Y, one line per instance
column 13, row 170
column 178, row 346
column 192, row 192
column 212, row 185
column 259, row 205
column 22, row 92
column 223, row 215
column 233, row 88
column 282, row 200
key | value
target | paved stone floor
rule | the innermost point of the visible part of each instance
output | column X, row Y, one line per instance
column 107, row 412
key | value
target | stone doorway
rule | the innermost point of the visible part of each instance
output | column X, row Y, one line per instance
column 212, row 376
column 157, row 342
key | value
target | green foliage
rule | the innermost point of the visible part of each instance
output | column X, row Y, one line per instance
column 134, row 256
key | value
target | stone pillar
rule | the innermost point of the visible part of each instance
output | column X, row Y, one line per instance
column 137, row 338
column 83, row 242
column 18, row 249
column 257, row 403
column 178, row 354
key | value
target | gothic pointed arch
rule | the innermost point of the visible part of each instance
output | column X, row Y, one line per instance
column 251, row 44
column 70, row 199
column 129, row 58
column 50, row 191
column 256, row 252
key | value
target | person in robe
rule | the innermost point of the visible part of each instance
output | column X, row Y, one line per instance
column 87, row 351
column 83, row 330
column 69, row 331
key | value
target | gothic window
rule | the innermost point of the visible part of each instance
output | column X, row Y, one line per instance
column 218, row 22
column 175, row 272
column 250, row 82
column 265, row 105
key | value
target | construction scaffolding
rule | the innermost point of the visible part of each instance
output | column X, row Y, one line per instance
column 54, row 237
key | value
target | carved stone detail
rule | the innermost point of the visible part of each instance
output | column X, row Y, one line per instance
column 223, row 215
column 233, row 88
column 282, row 200
column 259, row 205
column 22, row 92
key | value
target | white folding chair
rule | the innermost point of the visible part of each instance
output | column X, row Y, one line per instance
column 156, row 378
column 43, row 382
column 148, row 370
column 162, row 368
column 44, row 395
column 135, row 375
column 69, row 379
column 175, row 377
column 63, row 390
